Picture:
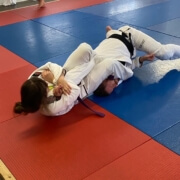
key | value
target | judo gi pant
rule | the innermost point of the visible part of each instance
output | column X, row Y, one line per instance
column 143, row 42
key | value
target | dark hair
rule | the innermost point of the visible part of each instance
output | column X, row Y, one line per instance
column 100, row 91
column 33, row 93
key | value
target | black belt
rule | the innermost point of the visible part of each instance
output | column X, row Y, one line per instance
column 122, row 38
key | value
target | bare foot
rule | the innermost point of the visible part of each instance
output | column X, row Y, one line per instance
column 41, row 3
column 108, row 28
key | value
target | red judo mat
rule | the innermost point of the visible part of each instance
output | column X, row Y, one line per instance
column 26, row 13
column 13, row 71
column 150, row 161
column 72, row 146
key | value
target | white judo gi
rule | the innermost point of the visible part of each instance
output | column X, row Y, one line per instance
column 89, row 67
column 110, row 51
column 78, row 65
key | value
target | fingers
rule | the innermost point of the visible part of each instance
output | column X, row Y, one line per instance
column 69, row 87
column 59, row 90
column 67, row 90
column 63, row 88
column 149, row 57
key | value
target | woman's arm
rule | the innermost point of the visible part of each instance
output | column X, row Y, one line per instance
column 62, row 106
column 48, row 76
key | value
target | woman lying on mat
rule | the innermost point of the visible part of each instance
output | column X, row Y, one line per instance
column 54, row 89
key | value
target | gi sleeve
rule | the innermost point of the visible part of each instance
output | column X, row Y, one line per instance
column 135, row 63
column 53, row 67
column 62, row 106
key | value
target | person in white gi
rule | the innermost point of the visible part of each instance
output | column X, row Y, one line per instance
column 87, row 69
column 111, row 51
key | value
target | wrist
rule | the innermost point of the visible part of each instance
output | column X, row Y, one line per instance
column 54, row 81
column 63, row 72
column 141, row 61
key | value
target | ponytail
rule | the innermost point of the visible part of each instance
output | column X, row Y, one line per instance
column 18, row 108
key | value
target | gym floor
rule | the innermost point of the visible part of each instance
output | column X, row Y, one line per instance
column 139, row 138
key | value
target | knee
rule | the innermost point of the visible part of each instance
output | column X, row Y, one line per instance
column 164, row 53
column 86, row 50
column 85, row 47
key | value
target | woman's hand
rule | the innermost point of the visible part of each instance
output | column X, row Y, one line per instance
column 57, row 91
column 47, row 75
column 66, row 88
column 62, row 86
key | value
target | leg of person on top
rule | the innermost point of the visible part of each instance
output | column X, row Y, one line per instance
column 144, row 42
column 140, row 41
column 114, row 52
